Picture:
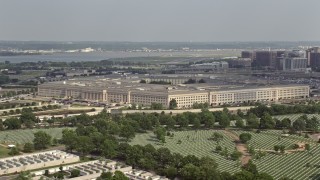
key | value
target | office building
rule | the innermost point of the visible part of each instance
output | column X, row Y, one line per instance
column 265, row 59
column 313, row 56
column 294, row 63
column 185, row 95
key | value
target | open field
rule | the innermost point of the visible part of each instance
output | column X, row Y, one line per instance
column 198, row 145
column 266, row 140
column 294, row 117
column 4, row 152
column 290, row 165
column 24, row 136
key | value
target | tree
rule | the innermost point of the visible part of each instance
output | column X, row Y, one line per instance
column 171, row 172
column 190, row 172
column 24, row 175
column 29, row 124
column 218, row 148
column 239, row 123
column 245, row 137
column 208, row 168
column 235, row 155
column 264, row 176
column 173, row 104
column 252, row 121
column 243, row 175
column 286, row 123
column 127, row 132
column 118, row 175
column 224, row 119
column 27, row 115
column 41, row 140
column 143, row 81
column 97, row 139
column 307, row 147
column 312, row 124
column 28, row 147
column 69, row 139
column 156, row 106
column 266, row 121
column 217, row 137
column 276, row 148
column 207, row 118
column 160, row 133
column 105, row 176
column 84, row 145
column 299, row 125
column 12, row 123
column 14, row 151
column 75, row 173
column 250, row 167
column 282, row 148
column 196, row 123
column 109, row 148
column 182, row 120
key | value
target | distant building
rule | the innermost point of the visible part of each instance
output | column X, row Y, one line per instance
column 265, row 59
column 294, row 63
column 212, row 65
column 313, row 56
column 240, row 63
column 247, row 54
column 185, row 96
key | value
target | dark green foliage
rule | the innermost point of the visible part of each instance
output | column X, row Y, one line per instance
column 75, row 173
column 156, row 106
column 173, row 104
column 41, row 140
column 28, row 147
column 14, row 151
column 245, row 137
column 235, row 155
column 12, row 123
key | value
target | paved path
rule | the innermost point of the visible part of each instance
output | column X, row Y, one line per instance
column 241, row 147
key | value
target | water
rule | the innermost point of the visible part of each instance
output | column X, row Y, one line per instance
column 96, row 56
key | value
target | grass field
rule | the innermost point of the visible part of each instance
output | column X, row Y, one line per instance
column 294, row 117
column 290, row 165
column 198, row 145
column 4, row 152
column 268, row 139
column 24, row 136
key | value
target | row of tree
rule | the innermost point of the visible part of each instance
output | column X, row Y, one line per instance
column 276, row 109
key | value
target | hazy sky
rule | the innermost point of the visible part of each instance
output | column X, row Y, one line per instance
column 160, row 20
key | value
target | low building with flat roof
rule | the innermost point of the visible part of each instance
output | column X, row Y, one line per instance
column 36, row 161
column 130, row 92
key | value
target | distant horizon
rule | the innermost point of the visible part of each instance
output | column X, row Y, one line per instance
column 258, row 41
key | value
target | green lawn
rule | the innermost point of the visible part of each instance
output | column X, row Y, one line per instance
column 197, row 144
column 268, row 139
column 294, row 117
column 4, row 152
column 24, row 136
